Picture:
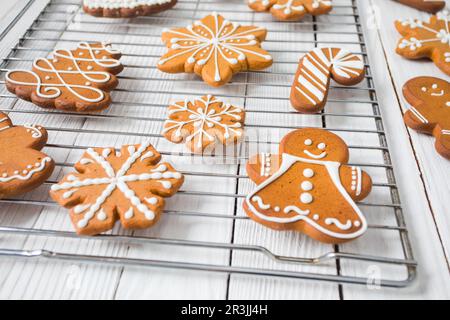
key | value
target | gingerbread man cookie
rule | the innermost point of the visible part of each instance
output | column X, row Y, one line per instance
column 126, row 8
column 109, row 185
column 289, row 10
column 426, row 40
column 75, row 80
column 215, row 49
column 430, row 109
column 309, row 91
column 200, row 123
column 431, row 6
column 22, row 166
column 309, row 188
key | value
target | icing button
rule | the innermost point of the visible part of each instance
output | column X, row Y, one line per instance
column 306, row 198
column 307, row 186
column 308, row 173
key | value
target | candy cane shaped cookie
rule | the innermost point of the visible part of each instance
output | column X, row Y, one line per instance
column 312, row 81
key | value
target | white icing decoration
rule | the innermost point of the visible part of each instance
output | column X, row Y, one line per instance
column 418, row 115
column 307, row 186
column 153, row 200
column 266, row 163
column 215, row 41
column 118, row 4
column 337, row 223
column 129, row 213
column 260, row 202
column 308, row 173
column 52, row 90
column 205, row 117
column 306, row 198
column 333, row 170
column 308, row 142
column 315, row 156
column 356, row 180
column 35, row 131
column 113, row 181
column 316, row 68
column 439, row 36
column 147, row 155
column 39, row 166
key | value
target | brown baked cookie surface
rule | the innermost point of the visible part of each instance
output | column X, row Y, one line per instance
column 72, row 80
column 127, row 185
column 429, row 112
column 203, row 123
column 22, row 166
column 431, row 6
column 309, row 90
column 214, row 49
column 429, row 40
column 289, row 10
column 308, row 187
column 126, row 8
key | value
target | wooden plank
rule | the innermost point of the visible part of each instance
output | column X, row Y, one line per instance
column 433, row 281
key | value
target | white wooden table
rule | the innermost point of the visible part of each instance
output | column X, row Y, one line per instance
column 423, row 178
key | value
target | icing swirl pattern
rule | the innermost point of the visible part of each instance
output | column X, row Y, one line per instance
column 71, row 80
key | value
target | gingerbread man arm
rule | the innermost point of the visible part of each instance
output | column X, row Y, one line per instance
column 356, row 181
column 262, row 166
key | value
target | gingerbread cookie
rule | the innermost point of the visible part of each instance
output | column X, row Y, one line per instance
column 291, row 9
column 109, row 185
column 126, row 8
column 22, row 166
column 202, row 122
column 75, row 80
column 426, row 40
column 309, row 91
column 215, row 49
column 431, row 6
column 309, row 187
column 430, row 109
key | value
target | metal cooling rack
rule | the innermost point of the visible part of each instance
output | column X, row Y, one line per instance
column 42, row 40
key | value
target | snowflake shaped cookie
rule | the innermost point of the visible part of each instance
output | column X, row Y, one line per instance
column 291, row 9
column 429, row 98
column 426, row 40
column 200, row 123
column 215, row 49
column 22, row 166
column 109, row 185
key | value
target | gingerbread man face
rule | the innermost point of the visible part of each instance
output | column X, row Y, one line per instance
column 315, row 144
column 309, row 188
column 426, row 39
column 430, row 109
column 22, row 166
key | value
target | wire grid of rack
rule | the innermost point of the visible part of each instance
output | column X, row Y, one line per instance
column 62, row 22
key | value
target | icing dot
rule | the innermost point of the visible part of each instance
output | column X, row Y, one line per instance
column 80, row 54
column 322, row 146
column 90, row 67
column 55, row 60
column 25, row 171
column 357, row 224
column 434, row 86
column 47, row 77
column 316, row 217
column 308, row 173
column 424, row 89
column 97, row 51
column 308, row 142
column 4, row 174
column 277, row 209
column 87, row 83
column 306, row 197
column 70, row 68
column 447, row 103
column 37, row 164
column 307, row 186
column 16, row 172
